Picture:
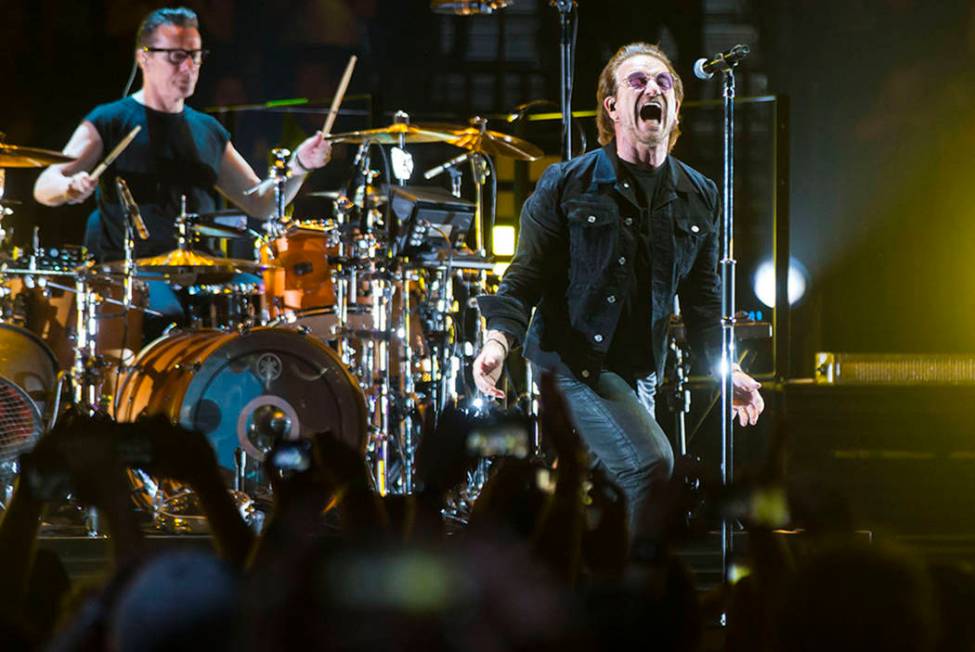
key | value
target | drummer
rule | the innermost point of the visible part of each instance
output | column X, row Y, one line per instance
column 179, row 151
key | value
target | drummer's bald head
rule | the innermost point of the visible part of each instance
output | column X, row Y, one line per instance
column 178, row 16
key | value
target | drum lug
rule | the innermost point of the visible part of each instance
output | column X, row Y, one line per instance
column 191, row 368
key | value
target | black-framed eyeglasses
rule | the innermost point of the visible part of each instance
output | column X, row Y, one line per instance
column 176, row 56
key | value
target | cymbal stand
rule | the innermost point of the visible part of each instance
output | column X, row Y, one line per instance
column 280, row 171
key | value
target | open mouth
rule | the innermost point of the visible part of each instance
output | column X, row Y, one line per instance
column 651, row 112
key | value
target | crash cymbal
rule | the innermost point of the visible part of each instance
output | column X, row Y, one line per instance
column 390, row 134
column 467, row 7
column 495, row 143
column 14, row 156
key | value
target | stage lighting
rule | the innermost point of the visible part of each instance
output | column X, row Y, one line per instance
column 764, row 282
column 503, row 240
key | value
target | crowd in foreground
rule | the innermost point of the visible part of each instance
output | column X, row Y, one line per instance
column 538, row 567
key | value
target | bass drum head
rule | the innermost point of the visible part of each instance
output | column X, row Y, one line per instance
column 244, row 390
column 20, row 425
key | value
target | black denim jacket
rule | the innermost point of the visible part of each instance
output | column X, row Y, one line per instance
column 577, row 244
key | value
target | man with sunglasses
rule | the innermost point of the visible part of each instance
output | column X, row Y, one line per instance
column 607, row 240
column 178, row 152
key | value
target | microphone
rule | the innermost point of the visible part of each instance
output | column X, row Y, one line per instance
column 132, row 208
column 705, row 69
column 457, row 160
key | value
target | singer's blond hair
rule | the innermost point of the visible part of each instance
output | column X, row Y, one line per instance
column 607, row 87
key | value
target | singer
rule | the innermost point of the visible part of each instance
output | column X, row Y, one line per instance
column 607, row 240
column 179, row 151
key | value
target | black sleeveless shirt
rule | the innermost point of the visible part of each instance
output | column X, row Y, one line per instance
column 174, row 154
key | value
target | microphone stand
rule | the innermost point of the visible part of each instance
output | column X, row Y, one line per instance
column 567, row 60
column 728, row 356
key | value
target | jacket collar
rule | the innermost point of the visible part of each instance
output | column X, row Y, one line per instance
column 607, row 172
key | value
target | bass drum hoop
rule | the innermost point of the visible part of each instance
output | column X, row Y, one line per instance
column 170, row 375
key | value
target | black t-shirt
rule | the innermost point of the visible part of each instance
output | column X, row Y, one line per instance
column 174, row 154
column 631, row 351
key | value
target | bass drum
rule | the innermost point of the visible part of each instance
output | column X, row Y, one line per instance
column 28, row 375
column 245, row 389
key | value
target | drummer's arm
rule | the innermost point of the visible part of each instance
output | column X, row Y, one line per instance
column 236, row 176
column 70, row 183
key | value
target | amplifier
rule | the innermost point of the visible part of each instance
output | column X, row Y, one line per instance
column 895, row 369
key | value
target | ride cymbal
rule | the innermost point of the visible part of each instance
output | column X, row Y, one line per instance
column 393, row 133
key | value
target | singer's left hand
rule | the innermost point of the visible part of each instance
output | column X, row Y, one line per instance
column 315, row 152
column 747, row 402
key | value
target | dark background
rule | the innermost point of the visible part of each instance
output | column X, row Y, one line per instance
column 882, row 141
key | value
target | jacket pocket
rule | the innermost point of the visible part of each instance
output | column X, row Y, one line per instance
column 690, row 232
column 593, row 236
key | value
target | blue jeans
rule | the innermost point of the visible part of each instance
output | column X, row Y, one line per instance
column 617, row 423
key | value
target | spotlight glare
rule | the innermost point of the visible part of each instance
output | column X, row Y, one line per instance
column 764, row 282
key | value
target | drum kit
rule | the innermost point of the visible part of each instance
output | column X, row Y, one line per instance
column 361, row 323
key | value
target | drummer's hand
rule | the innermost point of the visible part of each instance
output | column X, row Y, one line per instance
column 747, row 402
column 315, row 152
column 80, row 187
column 488, row 365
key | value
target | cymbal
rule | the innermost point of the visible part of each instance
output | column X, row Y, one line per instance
column 14, row 156
column 222, row 231
column 210, row 225
column 390, row 134
column 375, row 196
column 495, row 143
column 185, row 267
column 187, row 260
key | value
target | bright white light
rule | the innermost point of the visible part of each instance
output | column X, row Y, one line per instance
column 402, row 162
column 765, row 282
column 722, row 368
column 503, row 240
column 477, row 404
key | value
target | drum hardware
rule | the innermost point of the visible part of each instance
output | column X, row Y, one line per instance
column 467, row 7
column 246, row 389
column 278, row 174
column 365, row 196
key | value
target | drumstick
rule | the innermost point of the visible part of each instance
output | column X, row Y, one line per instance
column 114, row 154
column 339, row 94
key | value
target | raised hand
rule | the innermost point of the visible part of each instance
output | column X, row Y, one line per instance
column 747, row 402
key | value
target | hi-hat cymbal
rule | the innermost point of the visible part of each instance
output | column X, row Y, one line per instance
column 391, row 134
column 14, row 156
column 495, row 143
